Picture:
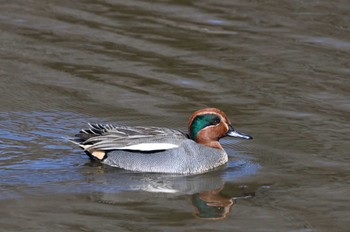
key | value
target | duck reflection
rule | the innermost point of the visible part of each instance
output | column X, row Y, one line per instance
column 214, row 205
column 211, row 197
column 211, row 205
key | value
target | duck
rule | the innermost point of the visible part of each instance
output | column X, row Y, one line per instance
column 159, row 149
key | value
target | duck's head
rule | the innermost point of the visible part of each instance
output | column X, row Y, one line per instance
column 208, row 125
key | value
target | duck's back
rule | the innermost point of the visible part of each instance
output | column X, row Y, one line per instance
column 188, row 158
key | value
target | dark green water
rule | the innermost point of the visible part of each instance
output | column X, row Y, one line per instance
column 280, row 71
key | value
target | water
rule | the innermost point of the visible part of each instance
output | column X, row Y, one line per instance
column 279, row 71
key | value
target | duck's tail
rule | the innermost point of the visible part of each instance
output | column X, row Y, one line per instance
column 81, row 138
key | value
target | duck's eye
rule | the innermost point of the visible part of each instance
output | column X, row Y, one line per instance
column 215, row 121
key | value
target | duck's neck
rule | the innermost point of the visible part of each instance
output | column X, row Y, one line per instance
column 212, row 144
column 207, row 139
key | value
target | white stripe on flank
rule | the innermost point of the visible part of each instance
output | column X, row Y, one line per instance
column 150, row 146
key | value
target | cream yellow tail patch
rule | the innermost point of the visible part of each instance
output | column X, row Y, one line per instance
column 95, row 153
column 98, row 154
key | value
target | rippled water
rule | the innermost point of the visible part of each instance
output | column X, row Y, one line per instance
column 279, row 71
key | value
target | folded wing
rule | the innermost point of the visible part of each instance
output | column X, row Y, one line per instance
column 108, row 137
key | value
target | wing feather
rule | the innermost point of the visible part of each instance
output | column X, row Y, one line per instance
column 109, row 137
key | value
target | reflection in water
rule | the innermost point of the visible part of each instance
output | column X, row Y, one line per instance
column 208, row 195
column 214, row 205
column 211, row 205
